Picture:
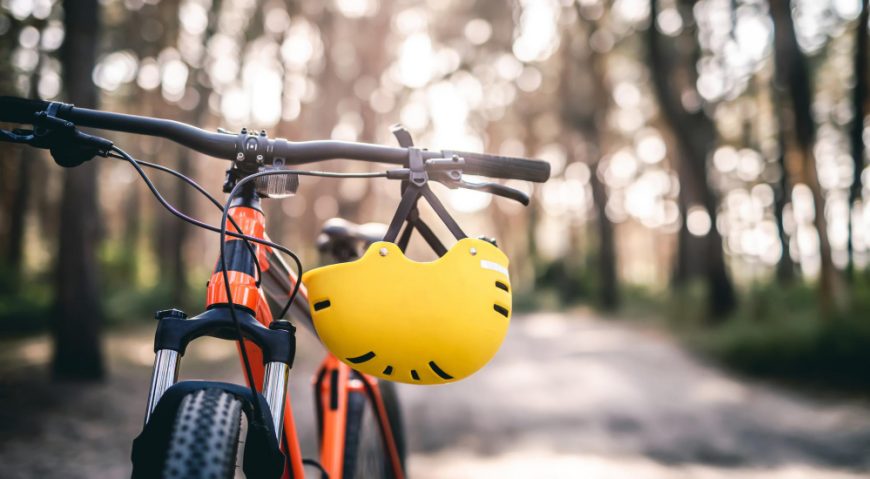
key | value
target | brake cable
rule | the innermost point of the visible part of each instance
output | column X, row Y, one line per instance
column 248, row 179
column 201, row 224
column 246, row 362
column 209, row 196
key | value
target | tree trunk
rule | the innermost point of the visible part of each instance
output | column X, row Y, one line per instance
column 132, row 232
column 695, row 137
column 856, row 132
column 18, row 211
column 590, row 121
column 792, row 71
column 20, row 201
column 180, row 232
column 78, row 315
column 785, row 268
column 606, row 261
column 691, row 258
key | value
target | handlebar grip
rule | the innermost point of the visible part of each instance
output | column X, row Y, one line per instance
column 20, row 110
column 506, row 167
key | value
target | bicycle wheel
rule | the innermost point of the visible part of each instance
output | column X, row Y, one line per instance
column 365, row 455
column 205, row 437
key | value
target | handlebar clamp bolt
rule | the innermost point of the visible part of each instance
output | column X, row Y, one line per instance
column 240, row 156
column 170, row 314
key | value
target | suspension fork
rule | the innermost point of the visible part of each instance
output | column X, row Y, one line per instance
column 274, row 346
column 270, row 376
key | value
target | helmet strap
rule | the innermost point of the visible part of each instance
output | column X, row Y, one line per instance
column 408, row 214
column 413, row 189
column 414, row 222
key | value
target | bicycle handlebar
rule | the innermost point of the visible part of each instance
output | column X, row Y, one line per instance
column 20, row 110
column 225, row 146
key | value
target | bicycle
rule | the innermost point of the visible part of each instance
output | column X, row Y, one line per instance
column 192, row 428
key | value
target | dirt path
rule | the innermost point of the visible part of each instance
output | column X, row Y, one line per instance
column 565, row 398
column 588, row 398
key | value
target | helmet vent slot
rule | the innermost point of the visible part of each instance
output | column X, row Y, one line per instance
column 388, row 370
column 361, row 359
column 500, row 285
column 440, row 372
column 501, row 310
column 322, row 305
column 415, row 375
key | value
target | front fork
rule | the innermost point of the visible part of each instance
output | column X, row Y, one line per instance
column 275, row 392
column 165, row 375
column 277, row 343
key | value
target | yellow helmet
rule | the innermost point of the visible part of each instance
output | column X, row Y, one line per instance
column 414, row 322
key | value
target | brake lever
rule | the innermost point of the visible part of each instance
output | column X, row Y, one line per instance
column 496, row 189
column 448, row 172
column 17, row 136
column 68, row 146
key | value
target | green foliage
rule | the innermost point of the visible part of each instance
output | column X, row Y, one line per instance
column 778, row 332
column 126, row 305
column 26, row 302
column 25, row 305
column 564, row 281
column 133, row 292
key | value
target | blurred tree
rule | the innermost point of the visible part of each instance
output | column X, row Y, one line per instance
column 585, row 108
column 856, row 133
column 785, row 268
column 695, row 136
column 793, row 75
column 198, row 115
column 20, row 203
column 7, row 86
column 78, row 316
column 173, row 268
column 20, row 167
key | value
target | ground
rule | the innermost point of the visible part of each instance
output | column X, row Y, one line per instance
column 569, row 395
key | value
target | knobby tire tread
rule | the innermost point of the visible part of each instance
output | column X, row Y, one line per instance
column 205, row 437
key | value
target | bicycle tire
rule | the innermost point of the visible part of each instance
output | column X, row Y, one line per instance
column 205, row 437
column 365, row 455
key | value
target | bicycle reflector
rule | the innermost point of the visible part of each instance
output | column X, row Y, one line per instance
column 419, row 323
column 276, row 186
